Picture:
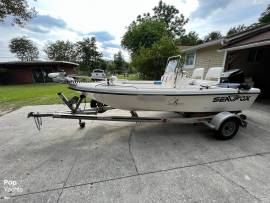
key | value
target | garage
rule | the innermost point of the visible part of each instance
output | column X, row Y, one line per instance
column 250, row 51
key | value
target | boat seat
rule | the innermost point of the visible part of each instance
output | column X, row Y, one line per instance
column 198, row 73
column 214, row 73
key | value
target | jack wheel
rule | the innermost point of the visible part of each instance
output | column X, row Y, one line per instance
column 82, row 124
column 227, row 129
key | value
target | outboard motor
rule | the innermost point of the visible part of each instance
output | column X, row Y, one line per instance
column 234, row 78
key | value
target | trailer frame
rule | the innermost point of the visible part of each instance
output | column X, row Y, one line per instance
column 224, row 124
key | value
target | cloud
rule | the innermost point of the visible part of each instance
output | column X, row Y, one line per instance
column 222, row 18
column 106, row 42
column 106, row 45
column 206, row 7
column 107, row 54
column 102, row 36
column 45, row 23
column 87, row 20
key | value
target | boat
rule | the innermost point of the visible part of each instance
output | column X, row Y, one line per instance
column 216, row 103
column 175, row 92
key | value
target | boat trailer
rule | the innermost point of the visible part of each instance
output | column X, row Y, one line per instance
column 224, row 124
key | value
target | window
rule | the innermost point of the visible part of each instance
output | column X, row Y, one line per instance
column 190, row 59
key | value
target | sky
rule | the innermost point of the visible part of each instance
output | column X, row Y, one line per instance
column 108, row 20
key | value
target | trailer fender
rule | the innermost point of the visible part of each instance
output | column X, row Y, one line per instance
column 219, row 118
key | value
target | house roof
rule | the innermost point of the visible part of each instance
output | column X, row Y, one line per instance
column 255, row 37
column 204, row 45
column 35, row 63
column 247, row 32
column 183, row 47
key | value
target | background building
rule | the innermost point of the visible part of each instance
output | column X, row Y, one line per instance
column 17, row 72
column 248, row 50
column 204, row 55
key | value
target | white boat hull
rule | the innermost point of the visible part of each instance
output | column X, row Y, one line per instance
column 182, row 103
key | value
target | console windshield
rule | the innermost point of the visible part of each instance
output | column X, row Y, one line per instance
column 172, row 65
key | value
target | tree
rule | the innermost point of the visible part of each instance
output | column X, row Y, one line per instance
column 24, row 49
column 191, row 39
column 88, row 54
column 169, row 15
column 61, row 51
column 110, row 66
column 265, row 16
column 118, row 61
column 143, row 34
column 151, row 62
column 236, row 29
column 18, row 9
column 213, row 36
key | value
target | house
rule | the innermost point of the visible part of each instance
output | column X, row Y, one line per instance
column 204, row 55
column 18, row 72
column 248, row 50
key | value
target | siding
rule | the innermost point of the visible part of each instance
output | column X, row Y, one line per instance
column 209, row 57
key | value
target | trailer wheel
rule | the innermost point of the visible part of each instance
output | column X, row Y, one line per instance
column 228, row 129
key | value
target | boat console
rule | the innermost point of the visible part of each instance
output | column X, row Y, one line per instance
column 171, row 71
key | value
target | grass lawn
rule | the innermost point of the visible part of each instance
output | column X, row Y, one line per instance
column 16, row 96
column 130, row 77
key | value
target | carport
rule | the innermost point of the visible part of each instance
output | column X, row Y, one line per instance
column 250, row 51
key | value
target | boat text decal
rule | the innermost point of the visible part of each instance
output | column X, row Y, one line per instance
column 174, row 102
column 231, row 98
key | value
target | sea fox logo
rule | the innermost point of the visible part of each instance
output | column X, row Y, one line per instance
column 231, row 98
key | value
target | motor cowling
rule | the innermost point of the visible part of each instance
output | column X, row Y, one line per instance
column 234, row 78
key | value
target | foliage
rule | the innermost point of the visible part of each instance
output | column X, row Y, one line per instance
column 168, row 14
column 24, row 49
column 110, row 66
column 61, row 51
column 143, row 34
column 236, row 29
column 265, row 16
column 213, row 36
column 19, row 9
column 190, row 39
column 129, row 76
column 151, row 39
column 151, row 62
column 88, row 54
column 102, row 64
column 107, row 65
column 118, row 61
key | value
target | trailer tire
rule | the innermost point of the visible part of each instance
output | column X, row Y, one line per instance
column 228, row 129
